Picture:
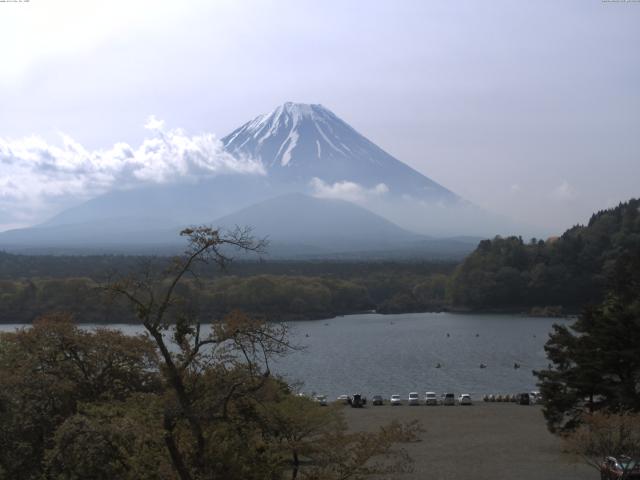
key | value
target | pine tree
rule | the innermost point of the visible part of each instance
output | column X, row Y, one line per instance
column 595, row 363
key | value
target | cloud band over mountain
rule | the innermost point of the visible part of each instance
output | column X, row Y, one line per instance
column 345, row 190
column 37, row 179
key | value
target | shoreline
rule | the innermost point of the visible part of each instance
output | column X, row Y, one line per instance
column 460, row 312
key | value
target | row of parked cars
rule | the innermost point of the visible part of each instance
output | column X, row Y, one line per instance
column 526, row 398
column 429, row 398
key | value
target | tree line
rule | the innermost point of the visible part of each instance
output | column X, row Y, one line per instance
column 571, row 271
column 275, row 297
column 503, row 274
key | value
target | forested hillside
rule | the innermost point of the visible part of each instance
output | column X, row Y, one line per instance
column 502, row 274
column 289, row 290
column 572, row 270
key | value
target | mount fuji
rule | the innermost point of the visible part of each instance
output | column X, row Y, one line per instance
column 306, row 150
column 298, row 143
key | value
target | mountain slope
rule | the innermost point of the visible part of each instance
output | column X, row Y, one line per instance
column 172, row 204
column 326, row 225
column 299, row 142
column 309, row 149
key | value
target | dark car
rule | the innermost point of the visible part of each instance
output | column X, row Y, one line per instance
column 448, row 399
column 613, row 468
column 377, row 400
column 524, row 399
column 357, row 401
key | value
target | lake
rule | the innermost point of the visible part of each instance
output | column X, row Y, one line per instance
column 385, row 354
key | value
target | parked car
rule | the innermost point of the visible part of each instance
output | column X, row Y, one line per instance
column 395, row 400
column 322, row 400
column 524, row 399
column 377, row 400
column 414, row 398
column 465, row 399
column 357, row 401
column 430, row 398
column 449, row 399
column 613, row 468
column 344, row 399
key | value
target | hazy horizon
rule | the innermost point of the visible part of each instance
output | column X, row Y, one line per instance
column 528, row 110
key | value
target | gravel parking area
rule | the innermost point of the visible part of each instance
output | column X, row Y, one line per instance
column 484, row 441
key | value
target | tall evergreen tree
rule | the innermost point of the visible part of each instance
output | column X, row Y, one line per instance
column 596, row 361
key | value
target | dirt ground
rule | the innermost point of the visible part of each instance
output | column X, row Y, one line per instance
column 485, row 441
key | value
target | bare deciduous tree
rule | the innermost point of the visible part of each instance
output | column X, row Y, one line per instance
column 162, row 311
column 605, row 435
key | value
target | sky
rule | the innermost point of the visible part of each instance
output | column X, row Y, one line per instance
column 528, row 109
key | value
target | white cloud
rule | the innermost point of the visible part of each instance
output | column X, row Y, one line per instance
column 345, row 190
column 564, row 191
column 38, row 179
column 154, row 124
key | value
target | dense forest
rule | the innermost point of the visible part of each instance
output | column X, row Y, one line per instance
column 33, row 286
column 571, row 271
column 502, row 274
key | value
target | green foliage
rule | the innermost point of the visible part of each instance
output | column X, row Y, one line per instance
column 78, row 404
column 289, row 297
column 46, row 374
column 270, row 296
column 571, row 271
column 596, row 361
column 84, row 447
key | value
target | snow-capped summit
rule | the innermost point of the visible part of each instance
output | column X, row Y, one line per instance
column 304, row 143
column 274, row 136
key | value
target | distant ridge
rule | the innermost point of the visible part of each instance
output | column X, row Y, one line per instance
column 329, row 225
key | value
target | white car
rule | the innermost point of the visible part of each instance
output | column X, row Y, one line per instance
column 414, row 398
column 430, row 398
column 322, row 400
column 465, row 399
column 535, row 397
column 395, row 400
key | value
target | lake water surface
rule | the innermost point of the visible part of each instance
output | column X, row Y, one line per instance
column 385, row 354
